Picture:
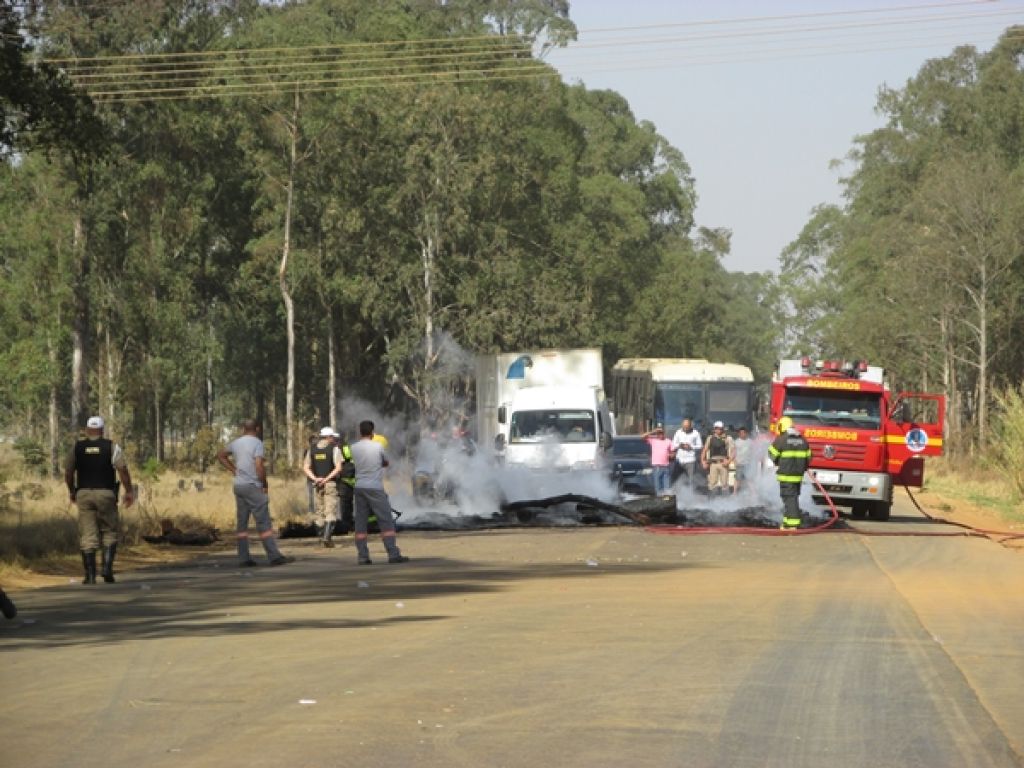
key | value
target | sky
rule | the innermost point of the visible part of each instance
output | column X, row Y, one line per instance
column 762, row 96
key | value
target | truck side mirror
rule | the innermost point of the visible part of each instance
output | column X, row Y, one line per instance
column 499, row 443
column 606, row 440
column 502, row 414
column 902, row 412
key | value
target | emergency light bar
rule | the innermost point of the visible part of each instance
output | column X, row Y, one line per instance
column 854, row 368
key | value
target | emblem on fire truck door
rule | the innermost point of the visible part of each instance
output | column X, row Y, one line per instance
column 917, row 440
column 829, row 452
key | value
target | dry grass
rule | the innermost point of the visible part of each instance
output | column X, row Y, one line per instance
column 39, row 528
column 982, row 486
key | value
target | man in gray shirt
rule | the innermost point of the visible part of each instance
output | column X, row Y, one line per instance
column 369, row 460
column 251, row 492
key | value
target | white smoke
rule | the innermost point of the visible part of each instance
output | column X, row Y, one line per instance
column 759, row 490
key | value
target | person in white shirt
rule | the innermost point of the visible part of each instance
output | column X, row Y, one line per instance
column 686, row 443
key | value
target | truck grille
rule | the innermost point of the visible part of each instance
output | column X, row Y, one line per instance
column 852, row 452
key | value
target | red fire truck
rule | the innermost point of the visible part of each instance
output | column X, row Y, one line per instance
column 864, row 440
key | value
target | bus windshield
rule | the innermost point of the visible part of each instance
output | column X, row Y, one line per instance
column 677, row 401
column 703, row 404
column 730, row 404
column 559, row 426
column 834, row 409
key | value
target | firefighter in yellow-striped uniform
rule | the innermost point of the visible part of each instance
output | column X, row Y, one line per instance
column 346, row 487
column 792, row 456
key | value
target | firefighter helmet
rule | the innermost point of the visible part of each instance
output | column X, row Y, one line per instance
column 784, row 425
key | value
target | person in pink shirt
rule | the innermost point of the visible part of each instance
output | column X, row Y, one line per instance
column 661, row 458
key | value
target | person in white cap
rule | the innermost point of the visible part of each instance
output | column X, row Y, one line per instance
column 91, row 474
column 716, row 457
column 322, row 466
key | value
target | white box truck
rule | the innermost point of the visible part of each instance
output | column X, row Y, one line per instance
column 544, row 409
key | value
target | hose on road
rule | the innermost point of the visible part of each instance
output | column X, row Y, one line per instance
column 1005, row 535
column 828, row 526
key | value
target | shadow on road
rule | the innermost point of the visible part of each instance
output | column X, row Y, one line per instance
column 213, row 597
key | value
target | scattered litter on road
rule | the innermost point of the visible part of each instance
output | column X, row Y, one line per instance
column 28, row 621
column 144, row 586
column 362, row 585
column 349, row 692
column 399, row 605
column 683, row 554
column 307, row 701
column 592, row 562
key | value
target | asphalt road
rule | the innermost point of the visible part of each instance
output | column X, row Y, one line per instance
column 586, row 647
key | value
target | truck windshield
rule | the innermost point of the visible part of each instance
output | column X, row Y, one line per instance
column 552, row 426
column 835, row 409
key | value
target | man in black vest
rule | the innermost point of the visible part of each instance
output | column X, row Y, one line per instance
column 91, row 475
column 323, row 466
column 717, row 455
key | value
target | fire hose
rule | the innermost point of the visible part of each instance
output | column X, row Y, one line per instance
column 828, row 526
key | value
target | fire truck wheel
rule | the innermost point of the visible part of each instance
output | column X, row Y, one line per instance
column 859, row 511
column 880, row 511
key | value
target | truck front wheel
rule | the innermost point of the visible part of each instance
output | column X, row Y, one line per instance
column 859, row 510
column 880, row 511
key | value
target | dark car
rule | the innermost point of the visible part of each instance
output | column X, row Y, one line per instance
column 631, row 464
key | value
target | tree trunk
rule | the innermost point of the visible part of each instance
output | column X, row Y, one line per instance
column 332, row 382
column 158, row 426
column 282, row 274
column 79, row 325
column 53, row 421
column 982, row 395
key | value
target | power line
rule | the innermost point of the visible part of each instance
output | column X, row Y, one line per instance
column 368, row 64
column 264, row 61
column 450, row 78
column 159, row 80
column 790, row 17
column 491, row 36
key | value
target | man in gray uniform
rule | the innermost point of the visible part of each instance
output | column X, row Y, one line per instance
column 251, row 492
column 370, row 461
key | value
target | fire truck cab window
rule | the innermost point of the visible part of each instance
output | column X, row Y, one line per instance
column 834, row 409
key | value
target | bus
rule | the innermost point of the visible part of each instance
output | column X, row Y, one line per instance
column 658, row 390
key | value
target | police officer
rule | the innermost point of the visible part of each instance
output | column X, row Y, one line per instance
column 792, row 456
column 323, row 465
column 717, row 454
column 91, row 474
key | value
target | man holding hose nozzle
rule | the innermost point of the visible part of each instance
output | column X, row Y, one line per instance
column 792, row 456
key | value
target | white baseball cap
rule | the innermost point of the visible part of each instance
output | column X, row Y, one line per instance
column 94, row 422
column 328, row 432
column 719, row 425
